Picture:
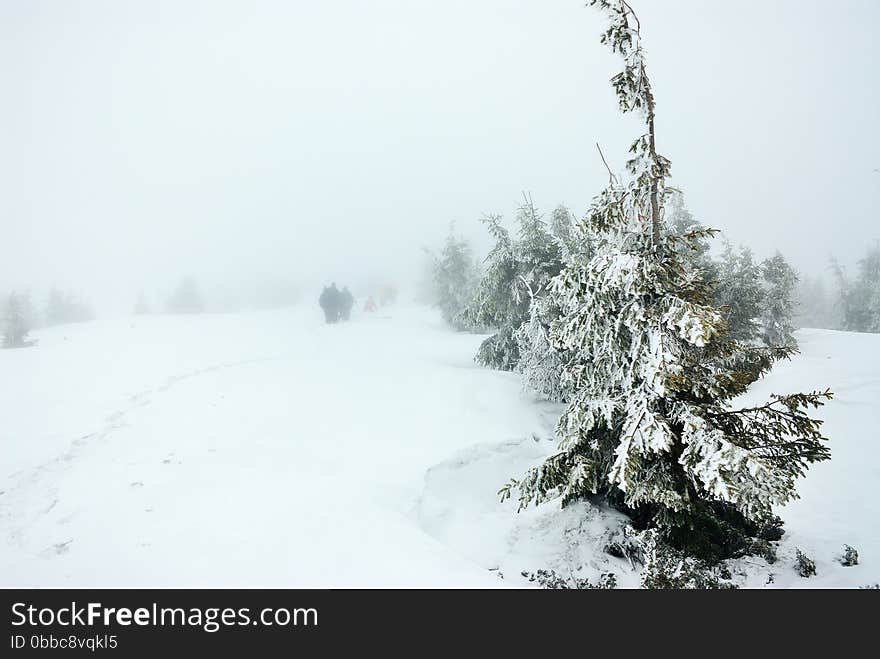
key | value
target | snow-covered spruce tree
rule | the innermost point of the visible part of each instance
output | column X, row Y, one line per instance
column 680, row 221
column 650, row 426
column 777, row 312
column 563, row 229
column 186, row 298
column 542, row 364
column 498, row 300
column 515, row 271
column 814, row 306
column 56, row 308
column 867, row 290
column 844, row 305
column 860, row 298
column 62, row 308
column 735, row 288
column 455, row 275
column 17, row 321
column 739, row 294
column 141, row 306
column 538, row 251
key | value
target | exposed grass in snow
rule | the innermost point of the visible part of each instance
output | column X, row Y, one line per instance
column 269, row 449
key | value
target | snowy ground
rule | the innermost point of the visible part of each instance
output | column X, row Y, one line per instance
column 268, row 449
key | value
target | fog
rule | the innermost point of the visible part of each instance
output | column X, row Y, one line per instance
column 247, row 142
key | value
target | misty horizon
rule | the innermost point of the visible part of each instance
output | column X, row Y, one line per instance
column 255, row 144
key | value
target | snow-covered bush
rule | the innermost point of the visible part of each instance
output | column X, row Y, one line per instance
column 669, row 568
column 850, row 556
column 649, row 424
column 805, row 566
column 551, row 580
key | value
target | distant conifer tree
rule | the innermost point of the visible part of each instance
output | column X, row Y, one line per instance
column 739, row 294
column 455, row 275
column 17, row 321
column 860, row 298
column 186, row 298
column 516, row 270
column 141, row 307
column 777, row 311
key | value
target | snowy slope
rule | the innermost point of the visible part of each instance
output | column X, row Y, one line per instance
column 839, row 502
column 261, row 449
column 839, row 498
column 269, row 449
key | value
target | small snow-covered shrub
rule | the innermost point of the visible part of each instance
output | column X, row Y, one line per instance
column 806, row 566
column 850, row 556
column 769, row 532
column 668, row 568
column 607, row 581
column 551, row 580
column 624, row 548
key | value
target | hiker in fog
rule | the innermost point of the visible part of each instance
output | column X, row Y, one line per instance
column 330, row 302
column 370, row 305
column 346, row 303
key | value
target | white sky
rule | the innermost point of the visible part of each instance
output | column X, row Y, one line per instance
column 142, row 141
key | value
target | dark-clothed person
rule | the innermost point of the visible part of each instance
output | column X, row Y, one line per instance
column 346, row 303
column 330, row 302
